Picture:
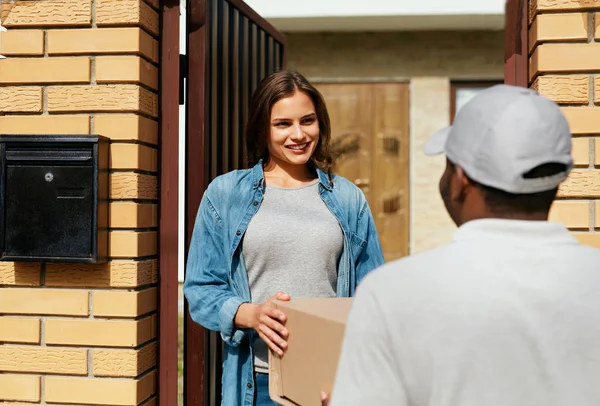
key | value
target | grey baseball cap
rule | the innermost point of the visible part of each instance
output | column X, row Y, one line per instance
column 503, row 133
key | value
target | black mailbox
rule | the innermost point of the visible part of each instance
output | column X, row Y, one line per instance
column 54, row 198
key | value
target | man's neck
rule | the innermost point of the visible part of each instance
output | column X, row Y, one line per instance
column 543, row 216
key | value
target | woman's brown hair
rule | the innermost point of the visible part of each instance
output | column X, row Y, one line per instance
column 270, row 90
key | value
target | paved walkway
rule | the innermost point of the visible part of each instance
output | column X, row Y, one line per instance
column 180, row 301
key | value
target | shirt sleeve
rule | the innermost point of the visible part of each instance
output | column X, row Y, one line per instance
column 212, row 302
column 367, row 371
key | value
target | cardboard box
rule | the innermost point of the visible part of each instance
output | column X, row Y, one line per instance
column 316, row 328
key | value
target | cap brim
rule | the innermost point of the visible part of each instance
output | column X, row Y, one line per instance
column 436, row 143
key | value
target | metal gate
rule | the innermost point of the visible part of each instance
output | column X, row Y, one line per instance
column 230, row 49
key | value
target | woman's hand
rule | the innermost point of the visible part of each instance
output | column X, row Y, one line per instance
column 270, row 324
column 267, row 321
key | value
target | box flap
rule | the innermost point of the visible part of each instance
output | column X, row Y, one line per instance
column 275, row 381
column 335, row 309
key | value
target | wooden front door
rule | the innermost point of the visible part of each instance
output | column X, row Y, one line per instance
column 370, row 135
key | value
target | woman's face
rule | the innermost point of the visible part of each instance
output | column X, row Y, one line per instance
column 294, row 130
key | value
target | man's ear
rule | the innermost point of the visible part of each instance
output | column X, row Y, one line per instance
column 462, row 184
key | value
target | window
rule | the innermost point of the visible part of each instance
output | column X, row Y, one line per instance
column 462, row 92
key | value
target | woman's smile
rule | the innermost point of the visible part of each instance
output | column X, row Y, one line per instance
column 299, row 148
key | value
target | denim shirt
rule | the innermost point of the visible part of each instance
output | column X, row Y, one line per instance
column 216, row 281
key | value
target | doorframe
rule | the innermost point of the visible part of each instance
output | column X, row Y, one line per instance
column 168, row 201
column 516, row 43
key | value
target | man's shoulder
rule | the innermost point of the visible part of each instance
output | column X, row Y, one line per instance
column 415, row 266
column 588, row 249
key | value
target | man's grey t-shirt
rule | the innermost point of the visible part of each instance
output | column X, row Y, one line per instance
column 292, row 244
column 506, row 314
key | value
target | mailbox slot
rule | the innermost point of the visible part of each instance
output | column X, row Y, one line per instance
column 53, row 203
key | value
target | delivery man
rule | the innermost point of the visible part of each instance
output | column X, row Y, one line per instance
column 508, row 313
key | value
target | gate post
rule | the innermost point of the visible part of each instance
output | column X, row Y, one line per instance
column 516, row 43
column 169, row 184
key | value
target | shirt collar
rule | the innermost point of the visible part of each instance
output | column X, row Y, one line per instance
column 258, row 176
column 514, row 230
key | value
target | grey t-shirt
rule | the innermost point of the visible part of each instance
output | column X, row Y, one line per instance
column 292, row 244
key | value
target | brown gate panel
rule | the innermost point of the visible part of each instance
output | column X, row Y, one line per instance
column 516, row 58
column 241, row 54
column 230, row 49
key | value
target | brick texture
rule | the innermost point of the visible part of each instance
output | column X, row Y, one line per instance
column 100, row 391
column 108, row 98
column 22, row 43
column 130, row 244
column 19, row 330
column 45, row 124
column 573, row 214
column 124, row 304
column 106, row 333
column 559, row 58
column 133, row 215
column 114, row 274
column 103, row 41
column 581, row 152
column 540, row 6
column 50, row 13
column 44, row 70
column 80, row 333
column 24, row 388
column 563, row 66
column 558, row 28
column 43, row 360
column 127, row 12
column 582, row 183
column 44, row 301
column 125, row 185
column 124, row 363
column 583, row 120
column 5, row 8
column 126, row 69
column 134, row 156
column 564, row 89
column 21, row 99
column 128, row 127
column 354, row 56
column 20, row 274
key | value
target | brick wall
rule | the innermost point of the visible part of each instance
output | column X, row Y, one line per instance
column 564, row 58
column 393, row 56
column 76, row 334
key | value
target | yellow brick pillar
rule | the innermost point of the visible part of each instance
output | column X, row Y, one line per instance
column 77, row 334
column 564, row 57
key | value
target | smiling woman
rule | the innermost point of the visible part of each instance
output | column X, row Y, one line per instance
column 297, row 134
column 284, row 228
column 289, row 129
